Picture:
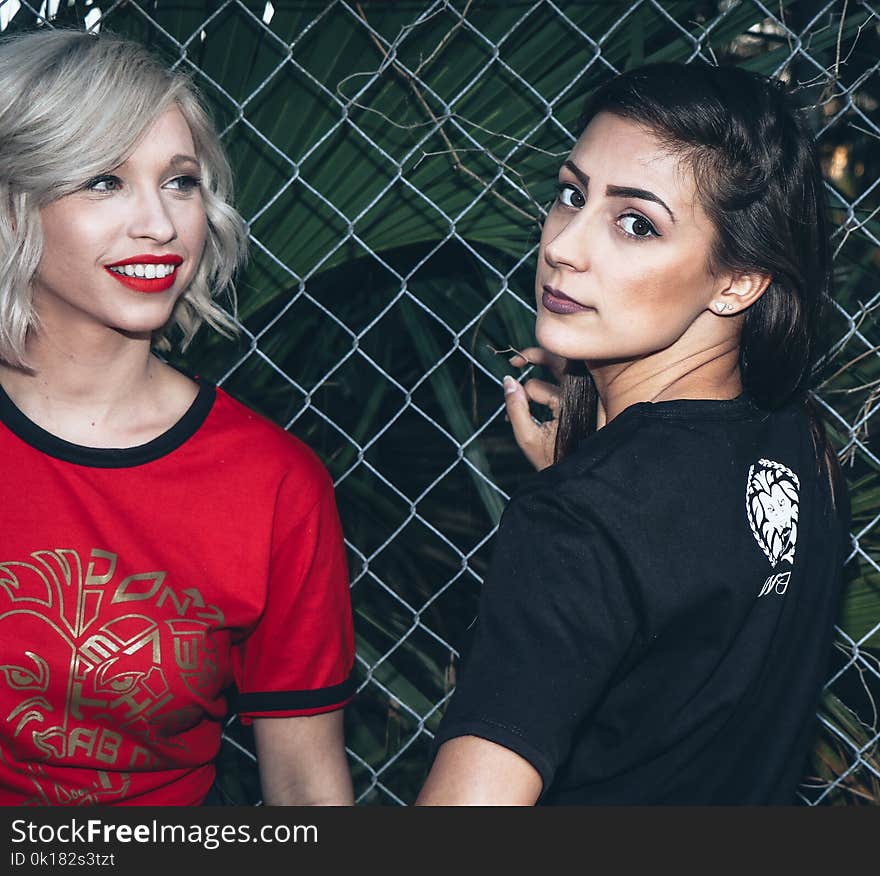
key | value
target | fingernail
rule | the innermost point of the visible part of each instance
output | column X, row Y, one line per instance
column 509, row 384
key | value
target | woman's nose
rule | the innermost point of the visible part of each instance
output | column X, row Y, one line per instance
column 567, row 246
column 151, row 218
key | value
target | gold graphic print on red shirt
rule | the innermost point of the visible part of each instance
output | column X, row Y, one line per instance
column 110, row 649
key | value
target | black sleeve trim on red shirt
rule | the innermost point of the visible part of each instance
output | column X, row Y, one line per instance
column 289, row 700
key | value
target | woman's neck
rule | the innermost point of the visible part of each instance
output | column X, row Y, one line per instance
column 712, row 372
column 98, row 392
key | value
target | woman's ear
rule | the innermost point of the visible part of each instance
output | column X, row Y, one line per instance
column 738, row 292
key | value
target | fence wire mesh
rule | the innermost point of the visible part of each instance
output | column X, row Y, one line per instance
column 394, row 161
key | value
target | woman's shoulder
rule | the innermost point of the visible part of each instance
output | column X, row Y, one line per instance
column 257, row 440
column 654, row 455
column 629, row 447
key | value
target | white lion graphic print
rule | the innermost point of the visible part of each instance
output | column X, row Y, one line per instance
column 772, row 509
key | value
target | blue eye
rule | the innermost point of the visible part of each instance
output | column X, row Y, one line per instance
column 185, row 183
column 569, row 196
column 637, row 226
column 104, row 183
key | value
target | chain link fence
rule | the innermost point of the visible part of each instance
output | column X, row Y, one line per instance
column 394, row 161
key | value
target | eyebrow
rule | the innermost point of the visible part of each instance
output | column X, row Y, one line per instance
column 174, row 163
column 583, row 179
column 177, row 160
column 619, row 191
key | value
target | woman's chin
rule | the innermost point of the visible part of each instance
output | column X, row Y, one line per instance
column 561, row 342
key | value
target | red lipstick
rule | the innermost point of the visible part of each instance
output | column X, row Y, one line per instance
column 166, row 265
column 556, row 301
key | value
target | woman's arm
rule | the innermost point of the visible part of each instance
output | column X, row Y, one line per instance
column 469, row 771
column 302, row 760
column 556, row 619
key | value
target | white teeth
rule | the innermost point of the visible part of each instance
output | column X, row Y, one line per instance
column 149, row 272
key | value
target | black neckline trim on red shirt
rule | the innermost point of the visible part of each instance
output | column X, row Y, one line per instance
column 105, row 457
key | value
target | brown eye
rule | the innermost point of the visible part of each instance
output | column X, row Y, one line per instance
column 569, row 196
column 637, row 226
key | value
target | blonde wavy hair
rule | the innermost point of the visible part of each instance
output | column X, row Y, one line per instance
column 73, row 106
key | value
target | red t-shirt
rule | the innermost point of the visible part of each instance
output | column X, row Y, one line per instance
column 137, row 585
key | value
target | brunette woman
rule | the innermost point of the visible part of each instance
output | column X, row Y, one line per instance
column 656, row 623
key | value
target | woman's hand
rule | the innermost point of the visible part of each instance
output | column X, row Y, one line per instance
column 536, row 440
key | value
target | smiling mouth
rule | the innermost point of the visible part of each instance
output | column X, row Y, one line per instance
column 146, row 273
column 556, row 301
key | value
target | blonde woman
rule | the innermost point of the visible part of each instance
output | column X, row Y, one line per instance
column 159, row 542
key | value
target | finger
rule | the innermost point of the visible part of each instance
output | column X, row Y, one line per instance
column 540, row 356
column 543, row 393
column 525, row 429
column 528, row 355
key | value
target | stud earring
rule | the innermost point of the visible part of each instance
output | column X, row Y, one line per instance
column 720, row 306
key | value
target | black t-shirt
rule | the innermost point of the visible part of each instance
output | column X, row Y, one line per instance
column 656, row 624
